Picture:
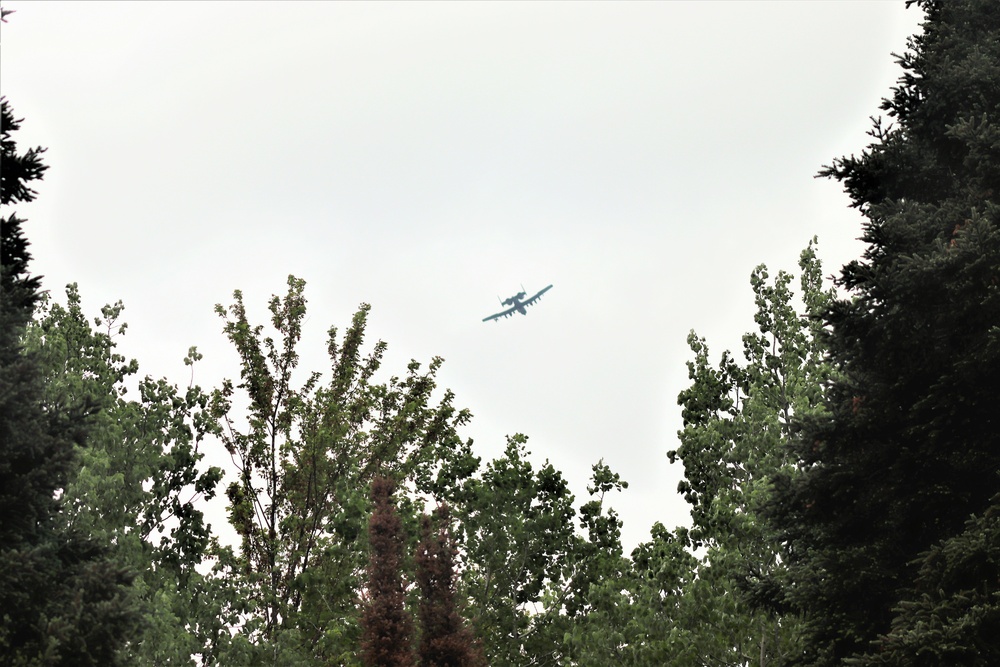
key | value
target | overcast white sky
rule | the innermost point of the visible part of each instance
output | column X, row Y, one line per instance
column 429, row 157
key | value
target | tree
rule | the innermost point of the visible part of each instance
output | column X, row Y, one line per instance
column 302, row 457
column 517, row 537
column 667, row 606
column 602, row 604
column 738, row 420
column 525, row 568
column 387, row 628
column 908, row 450
column 953, row 618
column 139, row 486
column 445, row 638
column 62, row 599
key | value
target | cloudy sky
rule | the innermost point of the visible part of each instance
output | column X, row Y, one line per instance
column 427, row 158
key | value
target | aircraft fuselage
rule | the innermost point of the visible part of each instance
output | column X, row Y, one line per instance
column 515, row 301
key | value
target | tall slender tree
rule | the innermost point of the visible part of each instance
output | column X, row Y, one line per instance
column 667, row 606
column 387, row 628
column 738, row 419
column 446, row 640
column 909, row 449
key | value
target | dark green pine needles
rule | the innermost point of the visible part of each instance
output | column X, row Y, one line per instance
column 887, row 518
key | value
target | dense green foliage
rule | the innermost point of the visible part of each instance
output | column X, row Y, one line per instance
column 63, row 598
column 689, row 597
column 887, row 520
column 139, row 486
column 842, row 473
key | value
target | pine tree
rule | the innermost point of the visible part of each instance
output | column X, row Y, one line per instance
column 445, row 638
column 62, row 599
column 954, row 619
column 24, row 502
column 387, row 629
column 909, row 452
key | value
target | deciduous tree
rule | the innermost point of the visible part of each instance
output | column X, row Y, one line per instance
column 302, row 456
column 517, row 539
column 139, row 486
column 684, row 598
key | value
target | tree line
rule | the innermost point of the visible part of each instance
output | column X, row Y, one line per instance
column 841, row 471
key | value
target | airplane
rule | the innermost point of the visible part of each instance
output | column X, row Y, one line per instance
column 516, row 304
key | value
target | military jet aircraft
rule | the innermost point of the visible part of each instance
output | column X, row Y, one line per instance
column 516, row 304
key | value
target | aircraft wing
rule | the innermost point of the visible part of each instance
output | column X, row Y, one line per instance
column 497, row 316
column 536, row 297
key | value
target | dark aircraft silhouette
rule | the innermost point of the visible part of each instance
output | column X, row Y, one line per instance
column 516, row 305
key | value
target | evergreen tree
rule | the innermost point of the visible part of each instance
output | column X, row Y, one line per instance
column 62, row 599
column 35, row 463
column 954, row 619
column 905, row 463
column 387, row 629
column 445, row 638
